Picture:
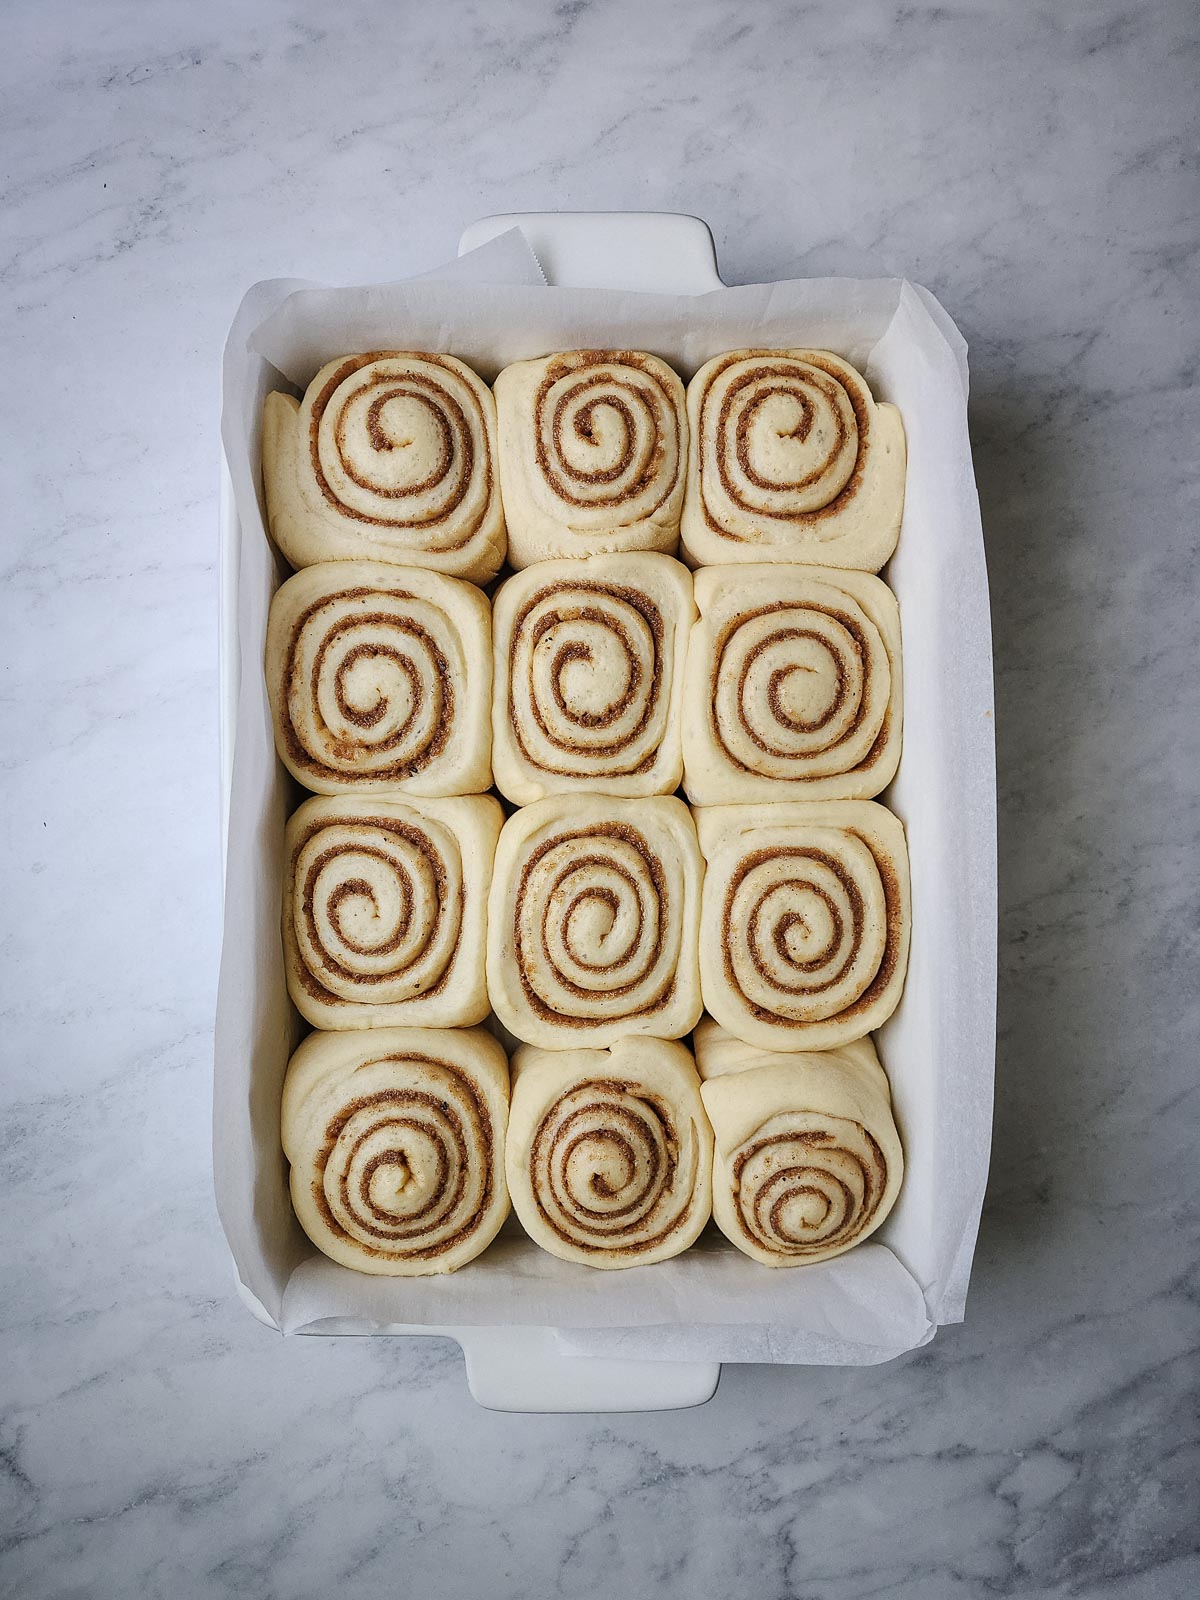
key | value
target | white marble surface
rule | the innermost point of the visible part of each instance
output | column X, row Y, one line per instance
column 1034, row 165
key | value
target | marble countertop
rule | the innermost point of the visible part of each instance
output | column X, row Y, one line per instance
column 1031, row 165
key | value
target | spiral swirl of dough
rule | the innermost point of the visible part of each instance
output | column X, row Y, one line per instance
column 591, row 927
column 390, row 455
column 793, row 678
column 593, row 446
column 806, row 926
column 589, row 659
column 399, row 440
column 379, row 906
column 791, row 451
column 385, row 909
column 431, row 1126
column 609, row 1154
column 381, row 678
column 842, row 672
column 808, row 1185
column 808, row 1158
column 395, row 1142
column 594, row 1127
column 804, row 935
column 606, row 427
column 594, row 924
column 785, row 435
column 585, row 678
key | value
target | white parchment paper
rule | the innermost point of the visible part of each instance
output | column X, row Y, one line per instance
column 887, row 1296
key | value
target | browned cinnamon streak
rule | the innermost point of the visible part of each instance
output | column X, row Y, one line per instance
column 800, row 854
column 456, row 458
column 388, row 827
column 401, row 1109
column 792, row 376
column 619, row 367
column 571, row 610
column 808, row 1178
column 404, row 626
column 774, row 700
column 660, row 910
column 630, row 1115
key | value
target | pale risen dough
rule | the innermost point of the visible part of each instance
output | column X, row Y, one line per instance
column 396, row 1144
column 808, row 1161
column 380, row 679
column 792, row 689
column 587, row 673
column 593, row 921
column 805, row 924
column 792, row 460
column 385, row 908
column 593, row 446
column 390, row 456
column 609, row 1152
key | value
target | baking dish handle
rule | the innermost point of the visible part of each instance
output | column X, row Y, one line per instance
column 657, row 252
column 530, row 1369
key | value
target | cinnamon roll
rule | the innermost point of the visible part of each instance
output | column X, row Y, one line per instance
column 592, row 921
column 380, row 679
column 808, row 1161
column 609, row 1152
column 384, row 910
column 792, row 689
column 792, row 460
column 593, row 445
column 587, row 672
column 396, row 1145
column 805, row 924
column 390, row 456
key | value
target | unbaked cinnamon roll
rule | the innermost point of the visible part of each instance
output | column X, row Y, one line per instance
column 587, row 672
column 396, row 1145
column 593, row 445
column 808, row 1161
column 390, row 456
column 805, row 924
column 592, row 921
column 609, row 1152
column 792, row 460
column 380, row 678
column 792, row 689
column 384, row 910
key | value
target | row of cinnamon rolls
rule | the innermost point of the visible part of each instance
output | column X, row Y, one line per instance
column 407, row 1146
column 584, row 920
column 625, row 674
column 409, row 456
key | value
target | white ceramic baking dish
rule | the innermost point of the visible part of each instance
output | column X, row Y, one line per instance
column 535, row 1368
